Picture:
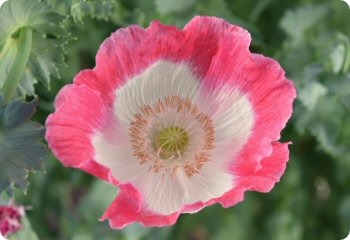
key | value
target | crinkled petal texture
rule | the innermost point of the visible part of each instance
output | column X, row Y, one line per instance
column 177, row 119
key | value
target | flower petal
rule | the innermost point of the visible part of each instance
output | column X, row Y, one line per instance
column 161, row 193
column 232, row 114
column 269, row 92
column 211, row 182
column 261, row 180
column 79, row 111
column 215, row 31
column 129, row 51
column 125, row 210
column 89, row 78
column 260, row 78
column 140, row 90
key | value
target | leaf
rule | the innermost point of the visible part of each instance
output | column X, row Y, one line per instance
column 95, row 203
column 101, row 10
column 48, row 40
column 324, row 122
column 313, row 90
column 296, row 22
column 135, row 232
column 311, row 93
column 20, row 147
column 26, row 233
column 337, row 56
column 44, row 61
column 339, row 84
column 332, row 50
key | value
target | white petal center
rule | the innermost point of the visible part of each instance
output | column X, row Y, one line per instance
column 172, row 139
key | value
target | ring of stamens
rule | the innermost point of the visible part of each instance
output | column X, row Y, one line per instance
column 171, row 142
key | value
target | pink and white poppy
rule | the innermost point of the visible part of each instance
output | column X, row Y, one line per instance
column 10, row 219
column 177, row 119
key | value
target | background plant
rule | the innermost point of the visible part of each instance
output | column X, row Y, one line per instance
column 43, row 44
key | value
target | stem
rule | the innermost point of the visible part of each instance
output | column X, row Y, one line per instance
column 19, row 64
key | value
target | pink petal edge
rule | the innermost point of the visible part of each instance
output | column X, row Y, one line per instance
column 79, row 111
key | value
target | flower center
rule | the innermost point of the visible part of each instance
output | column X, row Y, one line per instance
column 171, row 141
column 172, row 128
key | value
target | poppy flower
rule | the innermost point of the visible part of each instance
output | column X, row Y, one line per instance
column 10, row 219
column 177, row 119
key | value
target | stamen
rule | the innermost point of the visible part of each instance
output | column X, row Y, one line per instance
column 172, row 146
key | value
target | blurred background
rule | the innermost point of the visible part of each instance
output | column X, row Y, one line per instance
column 311, row 40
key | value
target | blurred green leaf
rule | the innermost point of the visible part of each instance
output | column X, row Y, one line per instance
column 170, row 6
column 95, row 202
column 317, row 59
column 338, row 56
column 332, row 50
column 101, row 10
column 324, row 121
column 83, row 236
column 135, row 232
column 340, row 86
column 312, row 90
column 296, row 22
column 20, row 147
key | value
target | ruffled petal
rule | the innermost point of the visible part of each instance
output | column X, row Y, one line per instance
column 262, row 180
column 104, row 88
column 263, row 81
column 126, row 209
column 215, row 31
column 79, row 112
column 129, row 51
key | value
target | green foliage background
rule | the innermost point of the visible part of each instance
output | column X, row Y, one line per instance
column 310, row 38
